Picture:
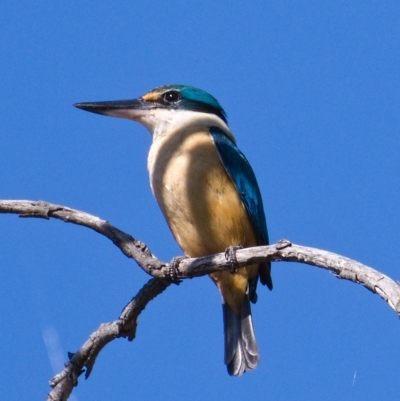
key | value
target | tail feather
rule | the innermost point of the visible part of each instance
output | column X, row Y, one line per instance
column 241, row 350
column 265, row 274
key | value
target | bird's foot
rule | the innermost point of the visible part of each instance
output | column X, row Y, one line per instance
column 230, row 256
column 173, row 269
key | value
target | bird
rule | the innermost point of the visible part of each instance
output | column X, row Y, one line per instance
column 209, row 196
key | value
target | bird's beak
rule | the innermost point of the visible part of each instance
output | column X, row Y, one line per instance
column 131, row 109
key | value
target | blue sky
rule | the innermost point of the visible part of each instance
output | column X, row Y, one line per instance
column 311, row 89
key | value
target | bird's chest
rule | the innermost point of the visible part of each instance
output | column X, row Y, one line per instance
column 186, row 174
column 195, row 193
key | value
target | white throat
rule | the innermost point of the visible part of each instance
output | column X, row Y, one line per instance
column 161, row 122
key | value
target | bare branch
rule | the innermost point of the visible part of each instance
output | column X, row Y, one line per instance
column 284, row 250
column 125, row 325
column 188, row 268
column 129, row 246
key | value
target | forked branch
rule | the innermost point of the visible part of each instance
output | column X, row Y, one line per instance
column 125, row 325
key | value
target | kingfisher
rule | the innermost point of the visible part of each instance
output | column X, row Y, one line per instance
column 208, row 194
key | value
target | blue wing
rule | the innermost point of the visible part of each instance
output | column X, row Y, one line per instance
column 245, row 181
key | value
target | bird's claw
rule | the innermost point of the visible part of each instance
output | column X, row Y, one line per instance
column 230, row 256
column 173, row 269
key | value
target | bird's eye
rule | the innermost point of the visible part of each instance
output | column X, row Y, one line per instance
column 172, row 96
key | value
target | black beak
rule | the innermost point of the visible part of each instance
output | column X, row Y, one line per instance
column 131, row 109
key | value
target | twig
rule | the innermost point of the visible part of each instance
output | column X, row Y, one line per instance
column 125, row 326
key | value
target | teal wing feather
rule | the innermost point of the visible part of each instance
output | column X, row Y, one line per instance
column 244, row 179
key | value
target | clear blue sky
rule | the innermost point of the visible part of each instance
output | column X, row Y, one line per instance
column 311, row 89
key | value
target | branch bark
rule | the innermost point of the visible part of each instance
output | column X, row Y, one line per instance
column 125, row 325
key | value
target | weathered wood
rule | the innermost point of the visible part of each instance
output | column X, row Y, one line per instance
column 165, row 273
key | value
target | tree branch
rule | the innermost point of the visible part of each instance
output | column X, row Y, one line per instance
column 125, row 325
column 129, row 246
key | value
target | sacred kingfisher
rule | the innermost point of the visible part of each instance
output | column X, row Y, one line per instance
column 208, row 194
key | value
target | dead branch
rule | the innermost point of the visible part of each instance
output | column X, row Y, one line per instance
column 125, row 325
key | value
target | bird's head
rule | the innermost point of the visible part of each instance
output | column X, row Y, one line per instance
column 163, row 108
